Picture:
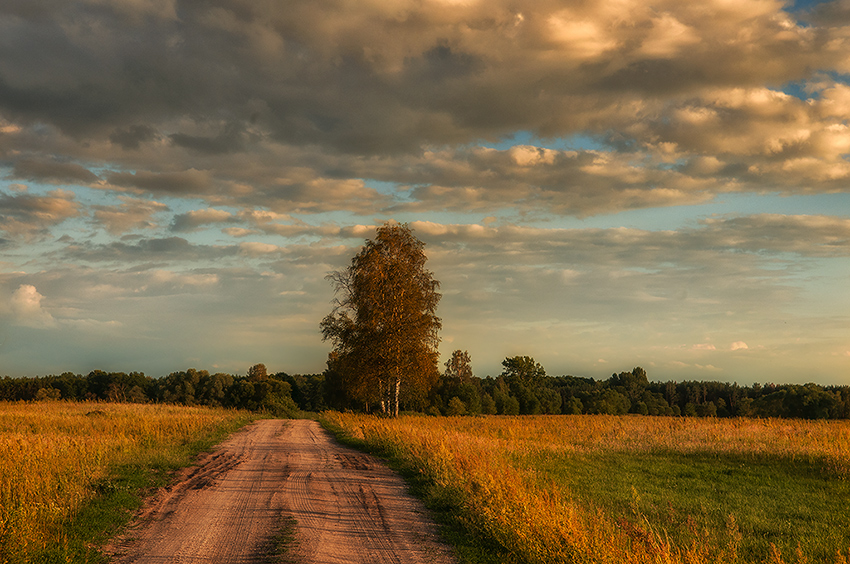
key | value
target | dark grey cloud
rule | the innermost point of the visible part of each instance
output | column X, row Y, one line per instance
column 132, row 137
column 232, row 139
column 373, row 79
column 152, row 251
column 52, row 171
column 85, row 68
column 184, row 182
column 263, row 107
column 193, row 220
column 830, row 13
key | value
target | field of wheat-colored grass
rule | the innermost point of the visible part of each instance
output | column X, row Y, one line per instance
column 54, row 454
column 554, row 489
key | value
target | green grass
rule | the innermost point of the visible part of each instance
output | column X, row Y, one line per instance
column 626, row 490
column 284, row 541
column 767, row 500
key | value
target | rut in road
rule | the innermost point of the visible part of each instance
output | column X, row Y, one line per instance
column 348, row 507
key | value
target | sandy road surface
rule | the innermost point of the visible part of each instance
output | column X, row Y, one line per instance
column 349, row 507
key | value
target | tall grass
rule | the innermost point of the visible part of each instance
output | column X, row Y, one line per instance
column 607, row 489
column 56, row 457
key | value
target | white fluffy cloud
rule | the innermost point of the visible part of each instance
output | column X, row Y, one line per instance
column 27, row 309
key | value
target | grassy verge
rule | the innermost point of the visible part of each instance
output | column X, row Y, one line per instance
column 444, row 502
column 588, row 489
column 751, row 503
column 72, row 474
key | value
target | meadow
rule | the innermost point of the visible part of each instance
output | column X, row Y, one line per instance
column 623, row 489
column 70, row 473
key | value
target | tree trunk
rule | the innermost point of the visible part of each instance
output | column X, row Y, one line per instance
column 383, row 396
column 395, row 399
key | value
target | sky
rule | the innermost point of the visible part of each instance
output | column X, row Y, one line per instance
column 599, row 185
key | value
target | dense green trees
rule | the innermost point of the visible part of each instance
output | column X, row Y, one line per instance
column 522, row 388
column 272, row 394
column 384, row 326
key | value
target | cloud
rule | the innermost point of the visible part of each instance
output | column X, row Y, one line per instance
column 563, row 182
column 239, row 231
column 29, row 216
column 230, row 140
column 310, row 126
column 739, row 345
column 678, row 276
column 27, row 309
column 629, row 289
column 259, row 249
column 243, row 107
column 195, row 219
column 373, row 79
column 317, row 195
column 130, row 318
column 156, row 250
column 185, row 182
column 53, row 172
column 131, row 214
column 131, row 138
column 296, row 229
column 806, row 235
column 178, row 280
column 758, row 235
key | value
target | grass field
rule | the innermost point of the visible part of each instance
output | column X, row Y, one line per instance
column 70, row 472
column 606, row 489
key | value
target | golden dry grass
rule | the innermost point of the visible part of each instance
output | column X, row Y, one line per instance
column 52, row 453
column 482, row 463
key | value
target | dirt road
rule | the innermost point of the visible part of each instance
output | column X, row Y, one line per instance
column 348, row 507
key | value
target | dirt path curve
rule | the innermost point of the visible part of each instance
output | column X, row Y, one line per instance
column 348, row 507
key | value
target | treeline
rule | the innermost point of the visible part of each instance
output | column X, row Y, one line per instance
column 256, row 391
column 523, row 388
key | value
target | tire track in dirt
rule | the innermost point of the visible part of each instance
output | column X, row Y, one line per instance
column 348, row 507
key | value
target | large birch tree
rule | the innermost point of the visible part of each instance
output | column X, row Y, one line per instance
column 384, row 325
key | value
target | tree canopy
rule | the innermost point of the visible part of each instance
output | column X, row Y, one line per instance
column 522, row 370
column 384, row 326
column 283, row 394
column 458, row 366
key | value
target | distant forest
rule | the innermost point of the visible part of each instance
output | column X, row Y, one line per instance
column 511, row 393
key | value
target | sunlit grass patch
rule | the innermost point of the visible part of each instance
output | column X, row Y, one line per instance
column 697, row 497
column 68, row 471
column 603, row 489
